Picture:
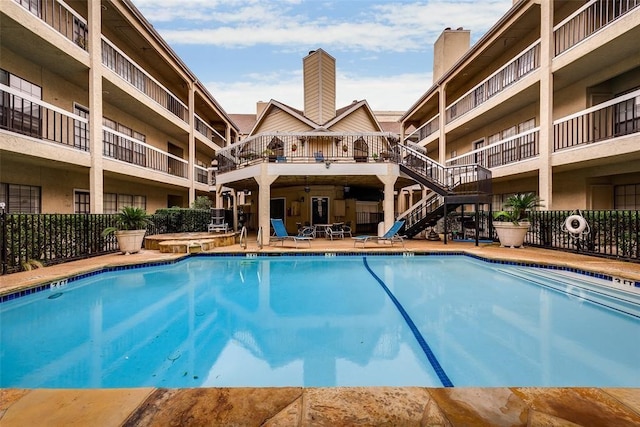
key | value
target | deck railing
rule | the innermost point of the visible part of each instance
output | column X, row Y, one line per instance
column 589, row 19
column 608, row 120
column 509, row 150
column 62, row 18
column 316, row 147
column 117, row 61
column 522, row 65
column 122, row 147
column 207, row 131
column 201, row 174
column 429, row 128
column 35, row 118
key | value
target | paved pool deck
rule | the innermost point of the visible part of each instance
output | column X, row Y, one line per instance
column 338, row 406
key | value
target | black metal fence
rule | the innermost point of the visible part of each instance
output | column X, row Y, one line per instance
column 56, row 238
column 609, row 234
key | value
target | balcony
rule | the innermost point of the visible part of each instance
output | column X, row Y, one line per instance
column 23, row 114
column 118, row 146
column 114, row 59
column 525, row 63
column 507, row 151
column 207, row 131
column 201, row 174
column 612, row 119
column 588, row 20
column 311, row 147
column 60, row 17
column 429, row 128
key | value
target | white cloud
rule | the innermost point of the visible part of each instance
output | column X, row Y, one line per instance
column 383, row 27
column 397, row 92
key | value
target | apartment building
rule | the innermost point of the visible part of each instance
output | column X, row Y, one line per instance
column 548, row 100
column 97, row 112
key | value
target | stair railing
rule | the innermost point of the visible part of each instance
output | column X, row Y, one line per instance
column 259, row 238
column 243, row 237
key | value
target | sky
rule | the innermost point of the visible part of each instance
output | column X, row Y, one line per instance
column 245, row 51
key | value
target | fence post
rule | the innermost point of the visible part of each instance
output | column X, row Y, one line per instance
column 3, row 229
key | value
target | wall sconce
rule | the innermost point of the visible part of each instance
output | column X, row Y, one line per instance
column 307, row 189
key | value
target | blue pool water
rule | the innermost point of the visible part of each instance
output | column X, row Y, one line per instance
column 324, row 321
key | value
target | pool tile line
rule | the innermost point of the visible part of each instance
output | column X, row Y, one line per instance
column 49, row 285
column 433, row 360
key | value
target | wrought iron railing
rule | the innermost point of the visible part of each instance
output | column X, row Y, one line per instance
column 315, row 147
column 207, row 131
column 611, row 119
column 421, row 210
column 122, row 147
column 524, row 64
column 201, row 174
column 59, row 16
column 33, row 117
column 612, row 233
column 510, row 150
column 429, row 128
column 116, row 60
column 589, row 19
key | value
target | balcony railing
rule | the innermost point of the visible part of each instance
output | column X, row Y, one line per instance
column 23, row 114
column 207, row 131
column 59, row 16
column 510, row 150
column 525, row 63
column 589, row 19
column 201, row 174
column 611, row 119
column 114, row 59
column 119, row 146
column 424, row 131
column 320, row 147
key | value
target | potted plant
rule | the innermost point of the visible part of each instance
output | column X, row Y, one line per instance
column 512, row 224
column 375, row 157
column 294, row 147
column 130, row 229
column 345, row 148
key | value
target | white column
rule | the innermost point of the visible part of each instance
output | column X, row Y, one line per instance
column 264, row 202
column 442, row 119
column 96, row 175
column 388, row 203
column 192, row 144
column 545, row 176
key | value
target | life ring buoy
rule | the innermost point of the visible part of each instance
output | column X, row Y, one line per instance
column 575, row 224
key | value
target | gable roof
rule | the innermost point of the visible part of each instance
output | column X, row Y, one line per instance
column 289, row 110
column 349, row 109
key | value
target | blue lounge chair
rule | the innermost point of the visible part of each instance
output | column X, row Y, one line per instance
column 282, row 235
column 390, row 236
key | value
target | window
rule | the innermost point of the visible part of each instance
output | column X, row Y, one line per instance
column 80, row 33
column 113, row 203
column 527, row 143
column 20, row 198
column 82, row 202
column 627, row 115
column 80, row 129
column 494, row 153
column 626, row 197
column 16, row 113
column 122, row 148
column 480, row 156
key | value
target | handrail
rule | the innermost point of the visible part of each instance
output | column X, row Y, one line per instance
column 243, row 237
column 259, row 238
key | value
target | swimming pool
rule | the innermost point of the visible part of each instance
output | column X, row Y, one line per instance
column 323, row 321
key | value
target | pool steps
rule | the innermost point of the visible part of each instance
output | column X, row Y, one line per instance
column 598, row 291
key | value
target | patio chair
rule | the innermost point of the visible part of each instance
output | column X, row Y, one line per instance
column 218, row 223
column 334, row 231
column 390, row 236
column 282, row 235
column 346, row 229
column 307, row 231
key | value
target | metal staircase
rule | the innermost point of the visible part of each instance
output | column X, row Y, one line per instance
column 452, row 186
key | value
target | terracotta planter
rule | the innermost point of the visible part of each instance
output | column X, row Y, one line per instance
column 510, row 234
column 130, row 241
